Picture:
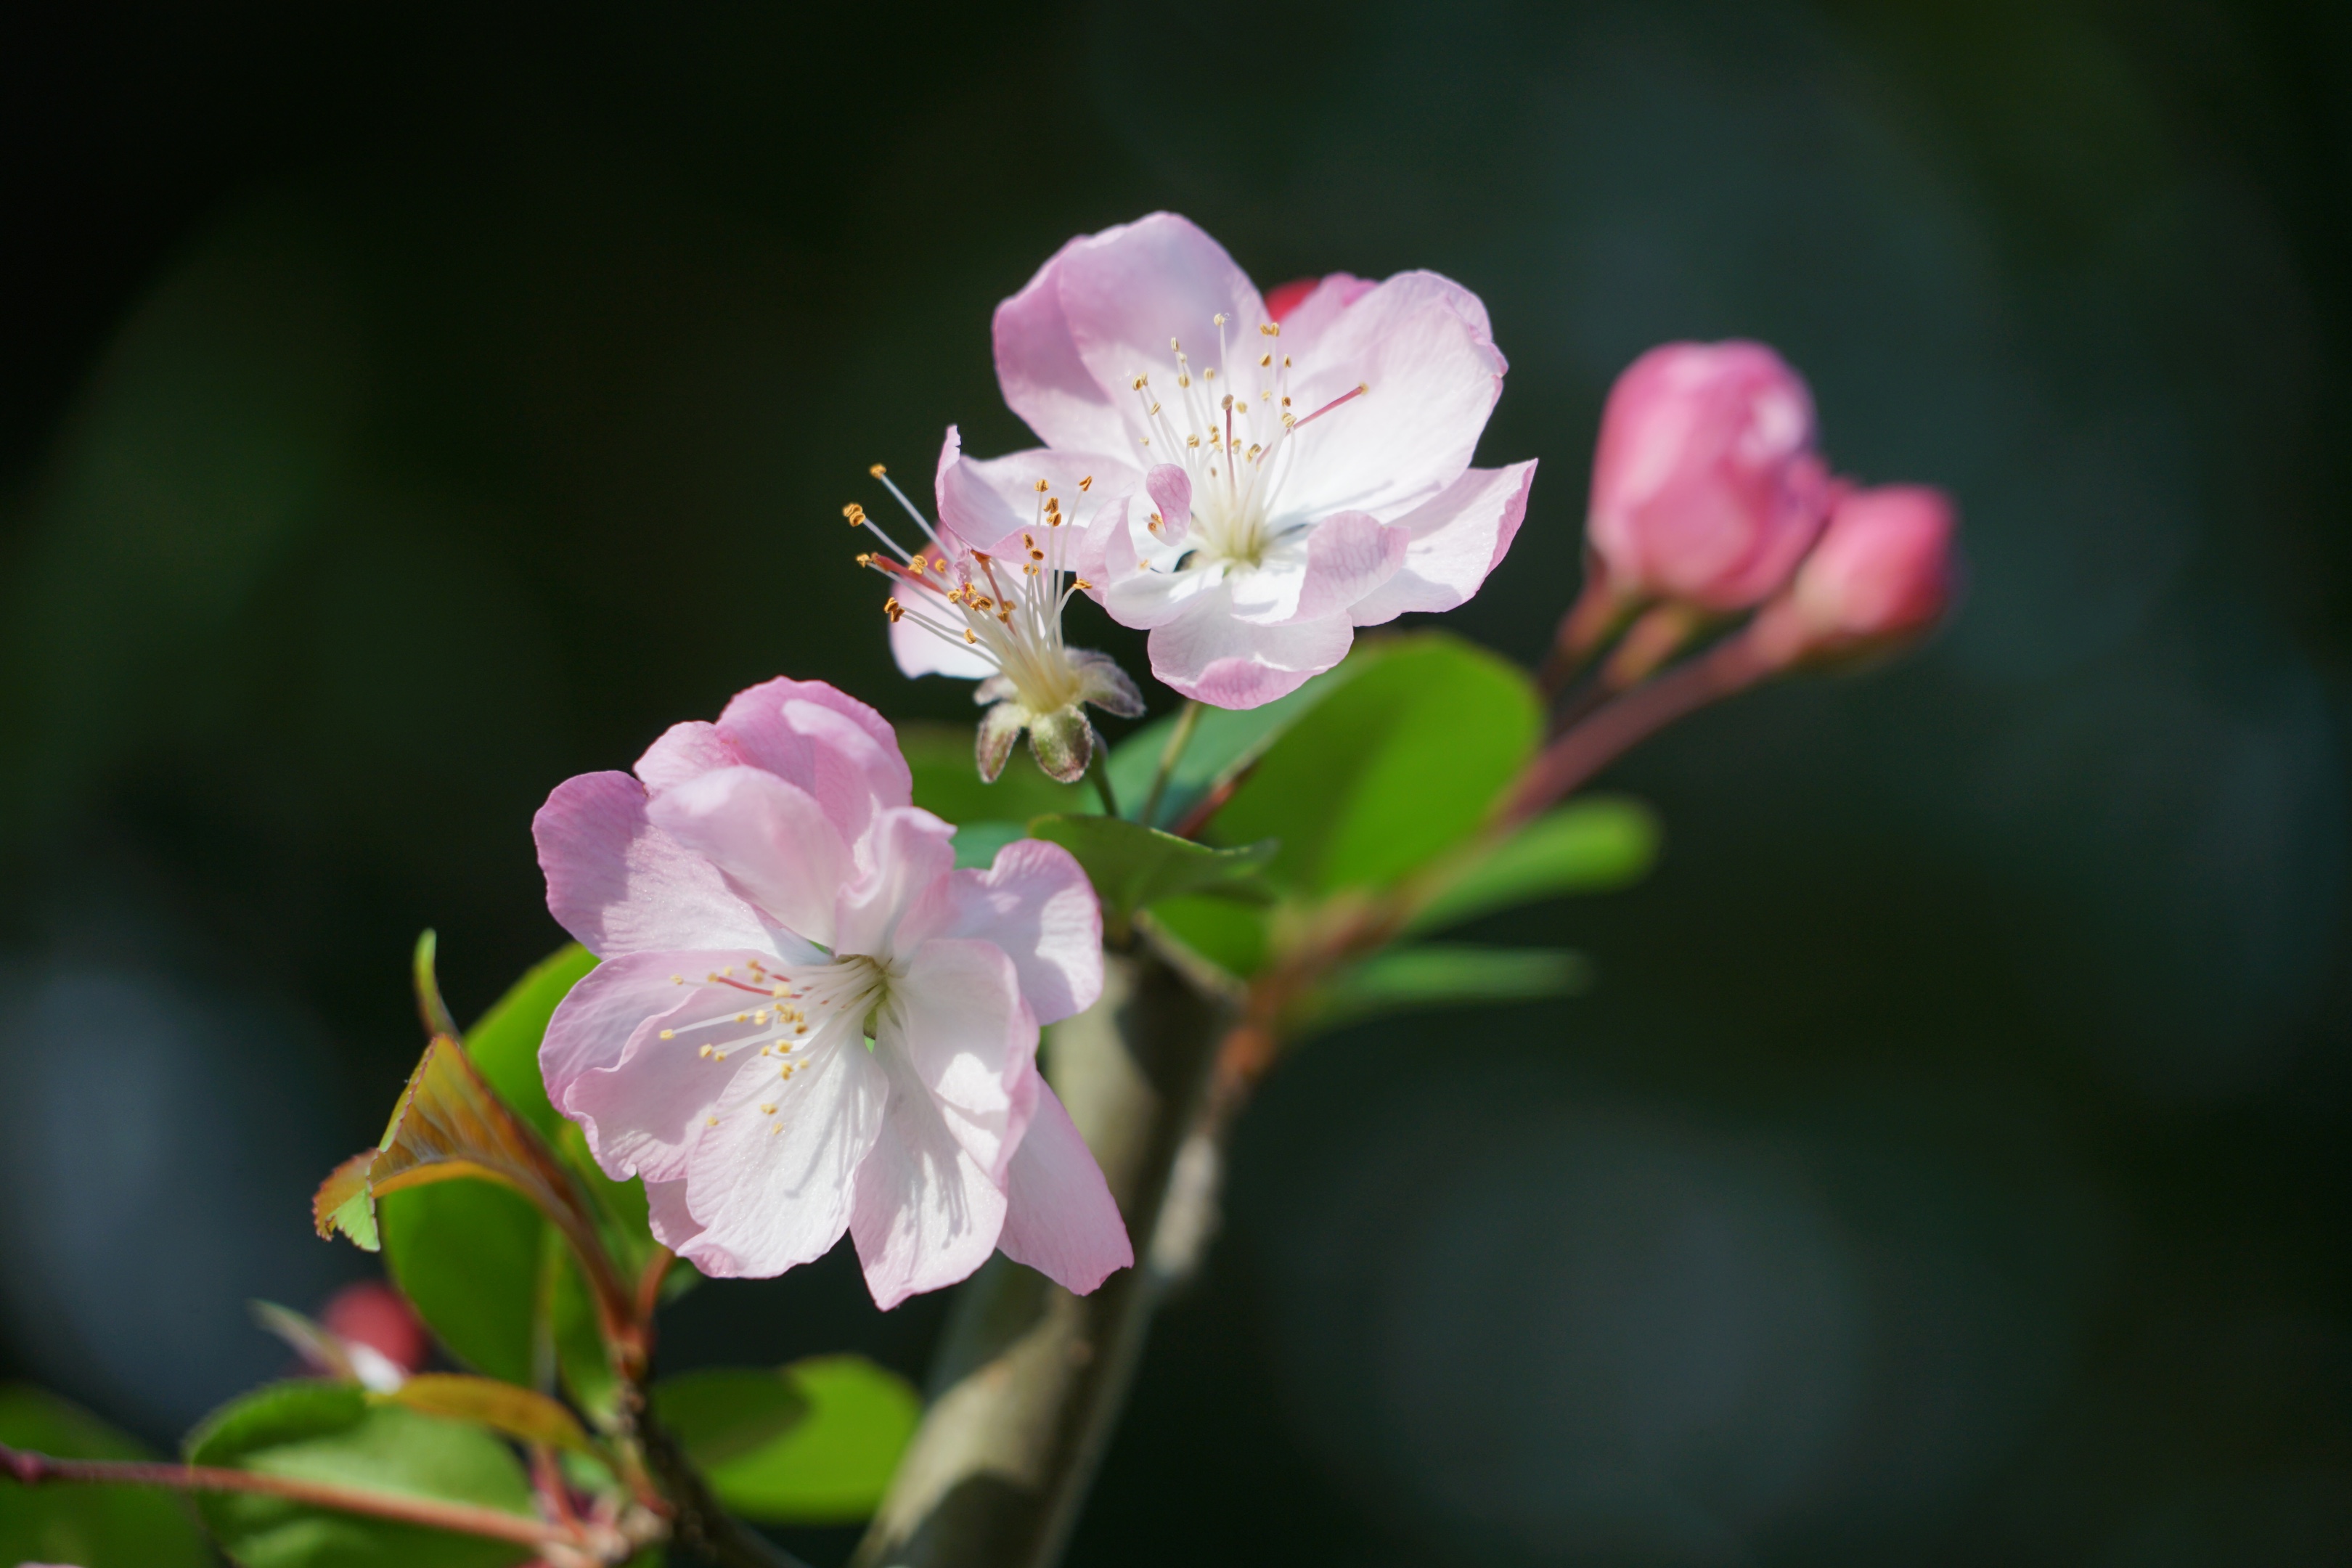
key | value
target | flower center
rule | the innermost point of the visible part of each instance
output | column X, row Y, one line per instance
column 1232, row 430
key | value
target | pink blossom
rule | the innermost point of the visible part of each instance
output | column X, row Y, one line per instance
column 1705, row 486
column 1885, row 570
column 807, row 1020
column 984, row 602
column 1281, row 482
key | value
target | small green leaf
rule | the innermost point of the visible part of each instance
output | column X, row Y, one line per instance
column 504, row 1042
column 1594, row 844
column 526, row 1416
column 333, row 1432
column 1393, row 768
column 1132, row 866
column 812, row 1443
column 1225, row 742
column 100, row 1527
column 976, row 843
column 1445, row 975
column 948, row 782
column 343, row 1203
column 1233, row 936
column 466, row 1256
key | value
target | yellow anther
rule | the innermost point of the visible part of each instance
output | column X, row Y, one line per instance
column 1286, row 362
column 855, row 513
column 1264, row 359
column 761, row 1017
column 1140, row 382
column 1210, row 373
column 893, row 609
column 710, row 1122
column 767, row 1109
column 941, row 565
column 1087, row 483
column 968, row 637
column 705, row 1051
column 1221, row 318
column 1041, row 487
column 1271, row 329
column 1183, row 380
column 1174, row 344
column 1286, row 402
column 1080, row 584
column 669, row 1034
column 781, row 990
column 877, row 470
column 677, row 980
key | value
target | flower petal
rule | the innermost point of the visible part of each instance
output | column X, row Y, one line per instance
column 956, row 1020
column 1035, row 904
column 1458, row 537
column 906, row 860
column 771, row 838
column 1346, row 556
column 621, row 885
column 668, row 1217
column 1128, row 291
column 1059, row 1218
column 1420, row 343
column 924, row 1215
column 773, row 1190
column 806, row 733
column 1038, row 366
column 1305, row 324
column 1170, row 489
column 642, row 1107
column 1211, row 656
column 986, row 501
column 1103, row 683
column 999, row 728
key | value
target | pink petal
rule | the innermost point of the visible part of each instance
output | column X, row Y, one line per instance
column 1420, row 343
column 1211, row 656
column 1458, row 537
column 986, row 501
column 906, row 861
column 592, row 1025
column 1128, row 291
column 620, row 884
column 1036, row 903
column 925, row 1215
column 774, row 1191
column 642, row 1106
column 1044, row 379
column 956, row 1018
column 1313, row 312
column 806, row 733
column 1348, row 556
column 770, row 836
column 1059, row 1218
column 1172, row 493
column 667, row 1216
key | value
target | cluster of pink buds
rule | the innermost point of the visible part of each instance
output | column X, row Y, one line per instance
column 1710, row 499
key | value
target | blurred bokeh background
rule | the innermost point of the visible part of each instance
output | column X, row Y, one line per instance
column 402, row 410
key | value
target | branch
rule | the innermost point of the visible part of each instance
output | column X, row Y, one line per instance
column 608, row 1545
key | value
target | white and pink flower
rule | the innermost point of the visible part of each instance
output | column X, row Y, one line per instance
column 1279, row 483
column 982, row 598
column 806, row 1020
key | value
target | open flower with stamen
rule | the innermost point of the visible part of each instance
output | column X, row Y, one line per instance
column 982, row 600
column 807, row 1020
column 1285, row 481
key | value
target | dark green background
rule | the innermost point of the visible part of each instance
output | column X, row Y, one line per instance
column 400, row 414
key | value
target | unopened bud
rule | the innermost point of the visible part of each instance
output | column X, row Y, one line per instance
column 1705, row 485
column 1884, row 573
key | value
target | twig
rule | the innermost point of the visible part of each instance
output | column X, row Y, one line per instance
column 1186, row 722
column 1100, row 767
column 464, row 1518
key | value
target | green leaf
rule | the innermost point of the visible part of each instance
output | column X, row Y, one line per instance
column 344, row 1204
column 1445, row 975
column 1594, row 844
column 504, row 1042
column 811, row 1443
column 976, row 843
column 1391, row 769
column 333, row 1432
column 1132, row 866
column 466, row 1256
column 1225, row 742
column 1233, row 936
column 96, row 1527
column 948, row 782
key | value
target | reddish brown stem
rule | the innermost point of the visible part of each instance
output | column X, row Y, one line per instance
column 464, row 1518
column 1616, row 729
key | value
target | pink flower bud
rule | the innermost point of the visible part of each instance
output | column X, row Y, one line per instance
column 1706, row 487
column 374, row 1314
column 1884, row 573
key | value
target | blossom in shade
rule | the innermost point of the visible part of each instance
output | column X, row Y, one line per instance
column 1705, row 486
column 806, row 1020
column 983, row 601
column 1885, row 571
column 1280, row 482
